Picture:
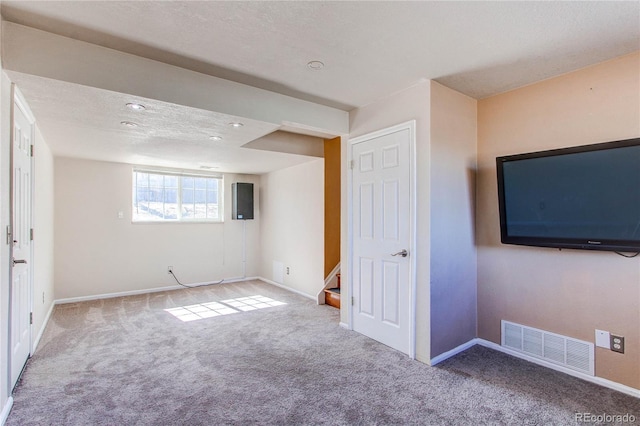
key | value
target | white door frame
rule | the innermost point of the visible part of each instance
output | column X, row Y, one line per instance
column 17, row 99
column 411, row 126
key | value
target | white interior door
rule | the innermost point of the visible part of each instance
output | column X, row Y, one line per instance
column 21, row 253
column 382, row 215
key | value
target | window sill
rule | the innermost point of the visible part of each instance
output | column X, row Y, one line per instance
column 175, row 222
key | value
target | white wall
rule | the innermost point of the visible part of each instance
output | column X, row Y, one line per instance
column 292, row 228
column 97, row 253
column 43, row 209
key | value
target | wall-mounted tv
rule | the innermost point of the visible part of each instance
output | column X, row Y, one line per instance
column 585, row 197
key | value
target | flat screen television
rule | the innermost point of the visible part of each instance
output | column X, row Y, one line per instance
column 585, row 197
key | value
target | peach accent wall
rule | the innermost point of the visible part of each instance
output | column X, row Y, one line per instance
column 570, row 292
column 331, row 204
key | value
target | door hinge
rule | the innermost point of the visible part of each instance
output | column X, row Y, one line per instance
column 9, row 235
column 31, row 234
column 32, row 148
column 31, row 318
column 353, row 301
column 352, row 164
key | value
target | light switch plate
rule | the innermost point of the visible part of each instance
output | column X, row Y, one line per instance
column 603, row 339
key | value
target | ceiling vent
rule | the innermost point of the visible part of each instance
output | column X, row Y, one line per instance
column 562, row 350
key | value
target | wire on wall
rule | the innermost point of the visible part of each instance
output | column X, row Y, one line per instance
column 628, row 256
column 193, row 285
column 244, row 249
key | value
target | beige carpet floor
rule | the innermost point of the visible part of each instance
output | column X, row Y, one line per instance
column 251, row 353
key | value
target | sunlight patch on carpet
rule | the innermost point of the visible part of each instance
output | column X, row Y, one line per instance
column 252, row 303
column 224, row 307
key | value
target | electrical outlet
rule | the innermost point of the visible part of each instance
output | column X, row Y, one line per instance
column 169, row 270
column 617, row 343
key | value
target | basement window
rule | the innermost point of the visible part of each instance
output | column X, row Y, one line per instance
column 176, row 197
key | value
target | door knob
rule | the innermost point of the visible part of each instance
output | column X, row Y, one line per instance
column 403, row 253
column 15, row 262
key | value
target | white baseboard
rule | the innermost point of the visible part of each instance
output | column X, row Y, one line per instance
column 6, row 410
column 146, row 291
column 293, row 290
column 344, row 325
column 463, row 347
column 44, row 325
column 593, row 379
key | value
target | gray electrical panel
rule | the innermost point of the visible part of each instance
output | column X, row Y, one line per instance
column 242, row 201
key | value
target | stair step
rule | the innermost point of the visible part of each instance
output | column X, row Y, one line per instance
column 332, row 297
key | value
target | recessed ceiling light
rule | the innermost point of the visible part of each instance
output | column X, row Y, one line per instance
column 136, row 107
column 215, row 138
column 315, row 65
column 236, row 125
column 128, row 124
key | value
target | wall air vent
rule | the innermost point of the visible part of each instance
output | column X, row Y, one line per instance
column 562, row 350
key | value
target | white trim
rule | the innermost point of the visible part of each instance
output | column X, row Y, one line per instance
column 6, row 410
column 328, row 282
column 332, row 275
column 146, row 290
column 44, row 325
column 32, row 225
column 344, row 325
column 168, row 171
column 455, row 351
column 349, row 233
column 180, row 181
column 413, row 229
column 584, row 376
column 411, row 126
column 19, row 99
column 112, row 295
column 293, row 290
column 593, row 379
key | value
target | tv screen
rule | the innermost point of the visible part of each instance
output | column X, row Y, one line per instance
column 585, row 197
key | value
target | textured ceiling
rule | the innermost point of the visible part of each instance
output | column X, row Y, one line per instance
column 85, row 122
column 370, row 49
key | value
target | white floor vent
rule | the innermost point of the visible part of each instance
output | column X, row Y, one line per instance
column 572, row 353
